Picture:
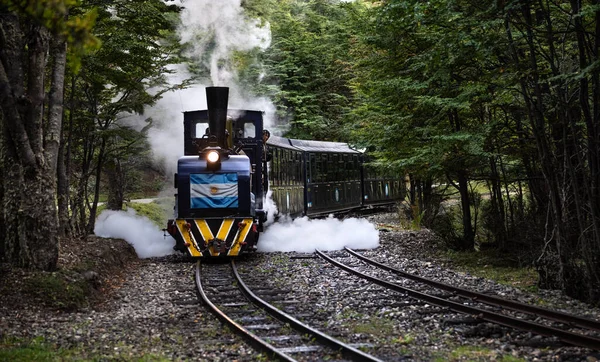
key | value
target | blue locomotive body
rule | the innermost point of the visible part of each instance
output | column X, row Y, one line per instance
column 219, row 200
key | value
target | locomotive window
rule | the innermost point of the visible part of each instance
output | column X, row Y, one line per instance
column 201, row 129
column 250, row 130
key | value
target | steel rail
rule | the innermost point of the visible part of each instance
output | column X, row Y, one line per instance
column 346, row 350
column 568, row 337
column 569, row 319
column 251, row 338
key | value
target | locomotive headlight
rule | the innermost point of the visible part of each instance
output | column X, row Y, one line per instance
column 212, row 156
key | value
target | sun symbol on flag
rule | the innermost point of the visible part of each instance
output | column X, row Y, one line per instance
column 214, row 190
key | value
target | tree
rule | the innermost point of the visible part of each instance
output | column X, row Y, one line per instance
column 33, row 53
column 561, row 94
column 306, row 70
column 127, row 74
column 504, row 92
column 422, row 87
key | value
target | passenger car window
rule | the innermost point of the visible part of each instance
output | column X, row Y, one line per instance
column 250, row 130
column 200, row 130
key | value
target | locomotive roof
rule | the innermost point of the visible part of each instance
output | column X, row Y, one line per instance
column 230, row 111
column 310, row 146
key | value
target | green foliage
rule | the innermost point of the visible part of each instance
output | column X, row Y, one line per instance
column 137, row 47
column 39, row 350
column 419, row 97
column 405, row 339
column 62, row 290
column 34, row 350
column 308, row 67
column 503, row 268
column 374, row 326
column 154, row 211
column 472, row 353
column 125, row 75
column 65, row 20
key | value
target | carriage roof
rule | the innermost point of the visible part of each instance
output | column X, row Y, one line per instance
column 310, row 146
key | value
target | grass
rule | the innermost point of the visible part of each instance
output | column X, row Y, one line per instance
column 475, row 353
column 404, row 339
column 154, row 211
column 63, row 290
column 375, row 326
column 490, row 265
column 37, row 349
column 34, row 350
column 158, row 211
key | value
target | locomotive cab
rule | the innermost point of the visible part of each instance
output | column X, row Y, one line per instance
column 218, row 208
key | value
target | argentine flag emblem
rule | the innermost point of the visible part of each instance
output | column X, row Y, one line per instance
column 214, row 190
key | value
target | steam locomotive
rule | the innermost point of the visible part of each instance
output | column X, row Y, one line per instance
column 223, row 178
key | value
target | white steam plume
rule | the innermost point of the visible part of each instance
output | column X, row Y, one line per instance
column 147, row 240
column 306, row 235
column 214, row 30
column 222, row 27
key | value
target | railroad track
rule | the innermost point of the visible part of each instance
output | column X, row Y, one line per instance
column 263, row 326
column 570, row 329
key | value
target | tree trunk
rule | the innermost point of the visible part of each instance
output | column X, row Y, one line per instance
column 62, row 187
column 66, row 221
column 32, row 239
column 498, row 225
column 94, row 209
column 30, row 145
column 116, row 184
column 54, row 133
column 2, row 172
column 468, row 241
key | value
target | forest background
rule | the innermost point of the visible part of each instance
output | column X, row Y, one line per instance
column 461, row 96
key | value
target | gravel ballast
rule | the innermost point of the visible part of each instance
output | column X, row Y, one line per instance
column 150, row 308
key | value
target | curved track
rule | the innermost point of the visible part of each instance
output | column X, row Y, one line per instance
column 270, row 332
column 567, row 336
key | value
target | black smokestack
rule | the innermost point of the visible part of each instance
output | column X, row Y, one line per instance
column 216, row 101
